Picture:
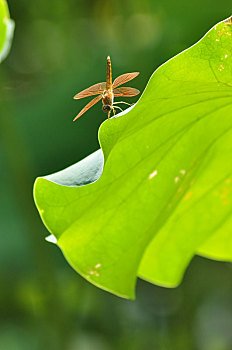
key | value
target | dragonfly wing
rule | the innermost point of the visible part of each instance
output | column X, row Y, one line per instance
column 92, row 90
column 88, row 106
column 124, row 78
column 125, row 91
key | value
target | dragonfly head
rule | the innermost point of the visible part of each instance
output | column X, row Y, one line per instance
column 106, row 108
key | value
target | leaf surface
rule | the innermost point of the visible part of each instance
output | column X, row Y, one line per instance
column 6, row 30
column 165, row 191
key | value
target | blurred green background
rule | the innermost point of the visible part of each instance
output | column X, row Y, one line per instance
column 60, row 48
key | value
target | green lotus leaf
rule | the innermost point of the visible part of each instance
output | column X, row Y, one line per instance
column 6, row 30
column 159, row 190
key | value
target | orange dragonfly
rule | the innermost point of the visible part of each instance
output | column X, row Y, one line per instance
column 107, row 91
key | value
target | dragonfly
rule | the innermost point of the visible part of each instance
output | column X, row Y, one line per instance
column 107, row 91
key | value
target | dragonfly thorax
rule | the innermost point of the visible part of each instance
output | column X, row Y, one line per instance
column 107, row 97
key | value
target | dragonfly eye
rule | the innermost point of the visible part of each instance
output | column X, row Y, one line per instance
column 106, row 108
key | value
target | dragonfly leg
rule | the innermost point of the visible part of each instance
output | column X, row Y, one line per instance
column 129, row 104
column 118, row 108
column 109, row 115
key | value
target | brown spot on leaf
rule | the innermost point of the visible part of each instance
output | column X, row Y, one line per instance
column 221, row 67
column 229, row 20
